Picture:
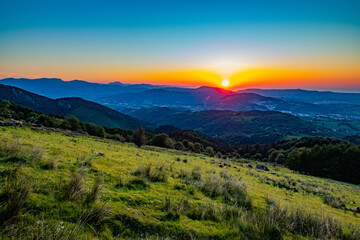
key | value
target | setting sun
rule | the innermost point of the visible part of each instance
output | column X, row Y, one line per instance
column 225, row 82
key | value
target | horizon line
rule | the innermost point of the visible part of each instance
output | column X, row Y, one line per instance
column 320, row 89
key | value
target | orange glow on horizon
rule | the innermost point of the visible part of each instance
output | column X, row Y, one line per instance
column 250, row 78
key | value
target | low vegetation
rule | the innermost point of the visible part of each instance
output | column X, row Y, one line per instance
column 61, row 186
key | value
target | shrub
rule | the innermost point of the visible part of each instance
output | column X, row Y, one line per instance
column 280, row 158
column 273, row 155
column 209, row 151
column 198, row 147
column 161, row 140
column 179, row 146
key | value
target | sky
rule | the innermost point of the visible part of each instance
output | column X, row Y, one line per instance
column 263, row 44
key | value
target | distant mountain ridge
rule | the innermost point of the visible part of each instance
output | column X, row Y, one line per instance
column 84, row 110
column 308, row 96
column 57, row 88
column 234, row 127
column 119, row 96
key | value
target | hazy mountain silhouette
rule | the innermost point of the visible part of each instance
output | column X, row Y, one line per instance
column 300, row 95
column 118, row 96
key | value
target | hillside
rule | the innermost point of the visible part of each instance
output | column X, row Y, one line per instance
column 84, row 110
column 246, row 127
column 61, row 187
column 250, row 101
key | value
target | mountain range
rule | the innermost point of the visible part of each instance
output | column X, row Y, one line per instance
column 119, row 96
column 243, row 117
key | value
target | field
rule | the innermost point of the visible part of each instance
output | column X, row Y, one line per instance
column 58, row 185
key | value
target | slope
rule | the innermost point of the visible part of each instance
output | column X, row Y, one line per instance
column 84, row 110
column 77, row 194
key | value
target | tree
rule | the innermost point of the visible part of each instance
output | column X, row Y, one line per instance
column 274, row 153
column 185, row 143
column 209, row 151
column 191, row 146
column 93, row 129
column 139, row 137
column 258, row 156
column 161, row 140
column 179, row 146
column 280, row 159
column 74, row 123
column 5, row 109
column 198, row 147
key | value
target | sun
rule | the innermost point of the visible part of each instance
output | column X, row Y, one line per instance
column 225, row 82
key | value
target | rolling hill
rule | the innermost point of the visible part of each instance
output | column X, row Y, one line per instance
column 242, row 127
column 84, row 110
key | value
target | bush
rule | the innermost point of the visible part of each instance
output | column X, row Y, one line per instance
column 209, row 151
column 198, row 147
column 161, row 140
column 179, row 146
column 280, row 158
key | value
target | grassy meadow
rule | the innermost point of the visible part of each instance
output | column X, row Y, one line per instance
column 57, row 185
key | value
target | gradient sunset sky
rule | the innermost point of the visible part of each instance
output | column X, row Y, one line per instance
column 263, row 44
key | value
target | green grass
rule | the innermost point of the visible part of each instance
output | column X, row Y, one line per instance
column 151, row 193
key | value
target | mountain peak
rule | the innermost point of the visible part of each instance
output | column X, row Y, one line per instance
column 215, row 89
column 116, row 83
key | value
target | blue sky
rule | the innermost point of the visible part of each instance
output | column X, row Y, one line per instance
column 20, row 14
column 153, row 40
